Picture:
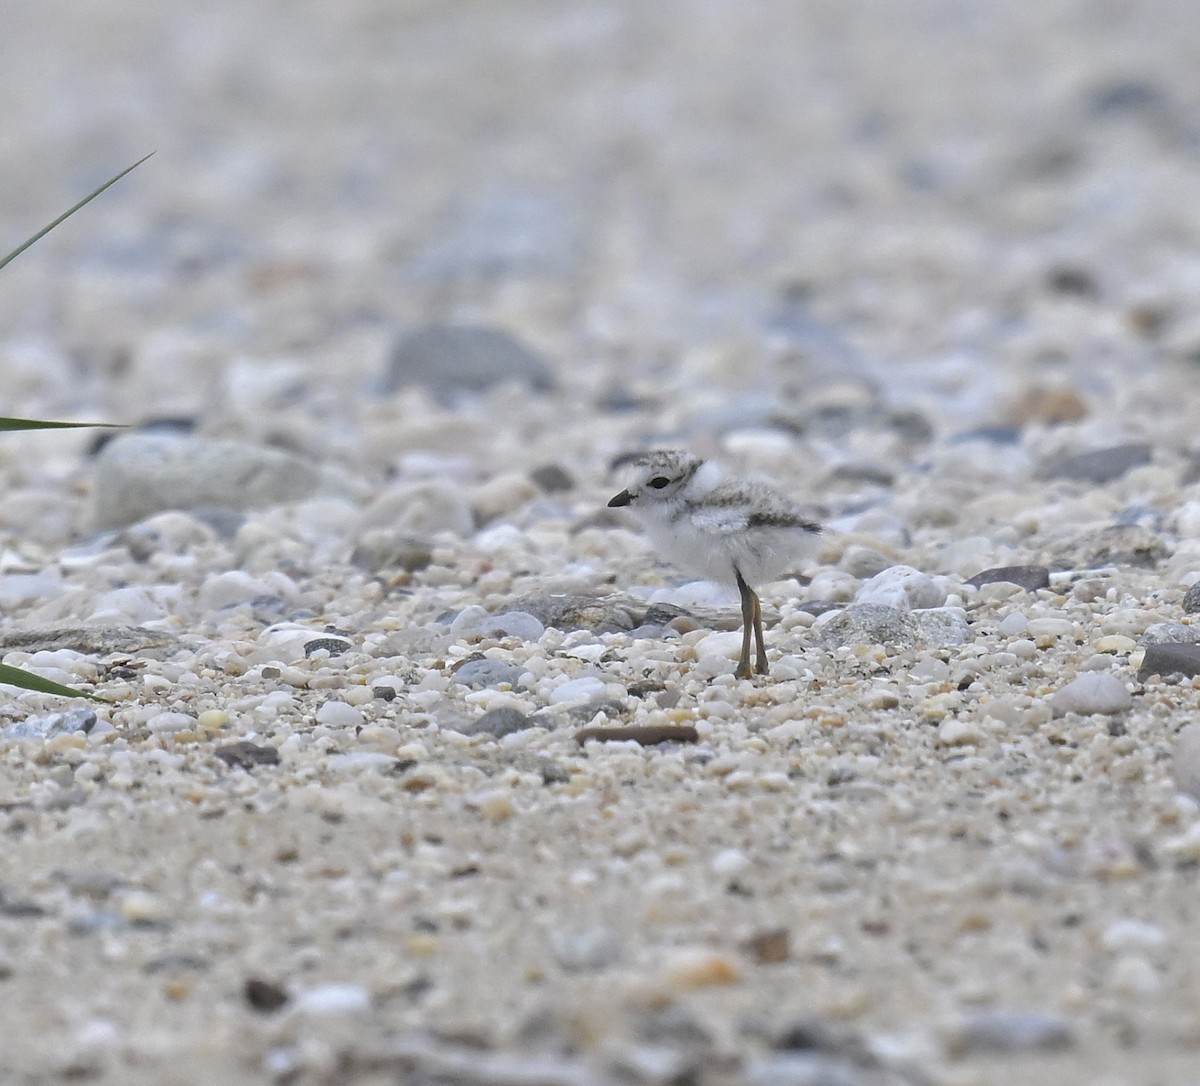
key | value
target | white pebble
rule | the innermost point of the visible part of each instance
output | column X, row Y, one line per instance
column 1130, row 934
column 337, row 714
column 333, row 999
column 162, row 723
column 1092, row 692
column 1013, row 625
column 577, row 690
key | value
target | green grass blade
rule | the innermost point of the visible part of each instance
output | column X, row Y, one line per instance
column 45, row 424
column 67, row 214
column 27, row 680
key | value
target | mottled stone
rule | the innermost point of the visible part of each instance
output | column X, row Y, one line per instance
column 867, row 624
column 995, row 1031
column 485, row 672
column 1191, row 599
column 577, row 612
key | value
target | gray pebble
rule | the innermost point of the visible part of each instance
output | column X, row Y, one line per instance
column 868, row 624
column 497, row 722
column 48, row 725
column 1170, row 633
column 139, row 474
column 1170, row 659
column 805, row 1069
column 1030, row 578
column 552, row 479
column 1191, row 600
column 487, row 672
column 1008, row 1031
column 585, row 950
column 578, row 612
column 519, row 624
column 506, row 230
column 452, row 359
column 942, row 626
column 1185, row 766
column 379, row 549
column 1099, row 465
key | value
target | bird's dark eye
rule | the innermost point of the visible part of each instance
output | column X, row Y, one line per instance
column 659, row 481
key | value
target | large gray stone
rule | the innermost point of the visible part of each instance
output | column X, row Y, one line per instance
column 140, row 474
column 452, row 359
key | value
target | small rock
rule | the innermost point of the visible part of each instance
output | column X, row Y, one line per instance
column 264, row 995
column 769, row 947
column 1114, row 545
column 867, row 624
column 139, row 474
column 1008, row 1031
column 607, row 614
column 1099, row 465
column 585, row 950
column 699, row 967
column 48, row 725
column 1170, row 633
column 645, row 734
column 378, row 549
column 942, row 626
column 417, row 509
column 165, row 723
column 902, row 587
column 328, row 999
column 1170, row 659
column 452, row 359
column 89, row 640
column 338, row 714
column 1051, row 406
column 498, row 722
column 1185, row 765
column 576, row 690
column 485, row 672
column 519, row 624
column 1191, row 599
column 1030, row 578
column 805, row 1069
column 1092, row 692
column 246, row 755
column 1129, row 934
column 552, row 479
column 954, row 732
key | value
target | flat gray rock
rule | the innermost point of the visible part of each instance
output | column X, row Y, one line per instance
column 1099, row 466
column 496, row 722
column 140, row 474
column 451, row 359
column 1166, row 658
column 91, row 640
column 487, row 672
column 868, row 624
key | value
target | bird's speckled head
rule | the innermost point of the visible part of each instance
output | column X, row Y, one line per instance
column 658, row 477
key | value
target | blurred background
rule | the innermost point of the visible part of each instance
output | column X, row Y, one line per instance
column 963, row 202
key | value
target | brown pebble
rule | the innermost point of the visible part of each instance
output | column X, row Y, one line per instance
column 246, row 754
column 264, row 995
column 647, row 735
column 768, row 947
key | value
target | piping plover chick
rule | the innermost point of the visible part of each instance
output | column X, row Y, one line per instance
column 731, row 531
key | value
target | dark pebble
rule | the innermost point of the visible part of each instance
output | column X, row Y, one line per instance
column 551, row 479
column 1099, row 465
column 246, row 754
column 1170, row 658
column 996, row 435
column 335, row 646
column 1191, row 601
column 647, row 735
column 1031, row 578
column 1073, row 281
column 264, row 995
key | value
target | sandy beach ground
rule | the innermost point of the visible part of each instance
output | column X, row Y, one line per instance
column 400, row 283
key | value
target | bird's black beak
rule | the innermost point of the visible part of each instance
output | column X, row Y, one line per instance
column 624, row 498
